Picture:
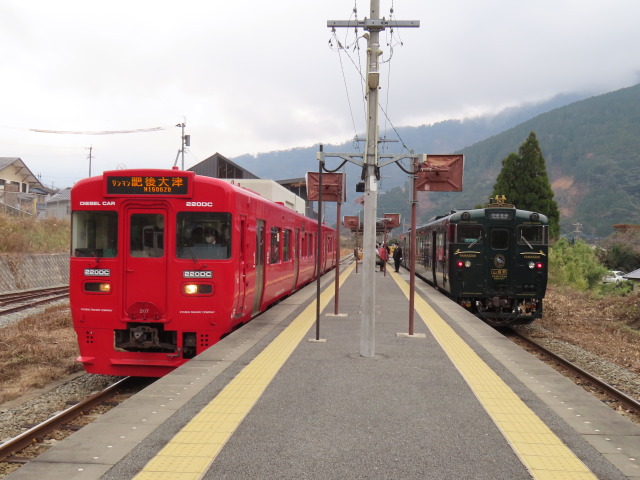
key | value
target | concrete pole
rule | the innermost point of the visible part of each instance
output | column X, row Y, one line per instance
column 373, row 25
column 367, row 325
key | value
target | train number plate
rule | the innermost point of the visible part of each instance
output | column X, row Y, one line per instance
column 97, row 272
column 197, row 274
column 499, row 273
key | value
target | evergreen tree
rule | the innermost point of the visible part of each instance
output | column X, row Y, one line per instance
column 524, row 181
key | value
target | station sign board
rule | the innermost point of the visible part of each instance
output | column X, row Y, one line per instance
column 332, row 187
column 440, row 173
column 352, row 222
column 392, row 220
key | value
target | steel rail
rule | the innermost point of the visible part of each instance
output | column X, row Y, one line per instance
column 26, row 438
column 609, row 389
column 32, row 304
column 52, row 296
column 13, row 297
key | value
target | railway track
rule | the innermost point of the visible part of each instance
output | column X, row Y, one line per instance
column 30, row 436
column 16, row 301
column 629, row 402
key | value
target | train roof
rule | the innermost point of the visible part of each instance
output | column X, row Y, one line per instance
column 188, row 177
column 482, row 214
column 184, row 183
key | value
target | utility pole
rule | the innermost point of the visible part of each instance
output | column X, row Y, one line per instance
column 577, row 232
column 371, row 168
column 90, row 158
column 185, row 142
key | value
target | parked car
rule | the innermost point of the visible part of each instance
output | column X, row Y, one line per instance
column 614, row 276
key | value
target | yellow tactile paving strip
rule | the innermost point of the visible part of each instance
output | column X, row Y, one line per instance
column 539, row 449
column 191, row 451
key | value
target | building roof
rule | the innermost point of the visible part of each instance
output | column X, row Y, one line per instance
column 296, row 185
column 42, row 190
column 300, row 181
column 635, row 275
column 219, row 166
column 62, row 195
column 22, row 169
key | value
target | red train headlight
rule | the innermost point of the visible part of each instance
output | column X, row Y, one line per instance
column 97, row 287
column 197, row 289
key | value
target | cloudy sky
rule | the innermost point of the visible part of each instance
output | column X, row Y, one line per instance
column 254, row 76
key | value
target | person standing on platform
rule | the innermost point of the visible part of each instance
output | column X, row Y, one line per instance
column 397, row 257
column 384, row 256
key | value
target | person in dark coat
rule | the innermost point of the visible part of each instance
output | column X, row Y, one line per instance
column 397, row 257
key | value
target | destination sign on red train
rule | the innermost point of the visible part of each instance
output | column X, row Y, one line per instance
column 147, row 185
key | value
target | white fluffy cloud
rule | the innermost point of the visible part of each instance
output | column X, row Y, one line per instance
column 250, row 77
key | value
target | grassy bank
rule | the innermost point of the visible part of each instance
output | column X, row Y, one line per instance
column 35, row 351
column 30, row 235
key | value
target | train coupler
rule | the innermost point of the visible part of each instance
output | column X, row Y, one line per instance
column 139, row 337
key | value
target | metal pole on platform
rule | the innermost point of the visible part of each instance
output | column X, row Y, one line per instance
column 357, row 250
column 412, row 246
column 384, row 246
column 337, row 294
column 319, row 249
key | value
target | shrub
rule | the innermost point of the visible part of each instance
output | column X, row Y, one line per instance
column 575, row 264
column 622, row 288
column 621, row 250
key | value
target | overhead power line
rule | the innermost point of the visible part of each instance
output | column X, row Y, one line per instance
column 98, row 132
column 345, row 46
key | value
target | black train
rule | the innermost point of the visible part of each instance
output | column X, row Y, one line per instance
column 493, row 261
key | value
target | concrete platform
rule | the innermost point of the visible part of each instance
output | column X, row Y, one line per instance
column 455, row 401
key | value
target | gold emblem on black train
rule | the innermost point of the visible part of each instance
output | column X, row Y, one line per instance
column 499, row 273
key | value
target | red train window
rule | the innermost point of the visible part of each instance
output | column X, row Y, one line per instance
column 275, row 245
column 147, row 235
column 94, row 234
column 203, row 235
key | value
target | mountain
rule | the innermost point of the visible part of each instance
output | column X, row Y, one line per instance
column 441, row 137
column 591, row 146
column 592, row 151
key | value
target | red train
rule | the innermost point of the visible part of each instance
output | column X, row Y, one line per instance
column 164, row 263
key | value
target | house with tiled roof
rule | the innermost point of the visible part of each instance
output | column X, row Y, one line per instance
column 59, row 204
column 634, row 277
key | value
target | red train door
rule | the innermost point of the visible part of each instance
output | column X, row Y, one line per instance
column 259, row 260
column 242, row 266
column 296, row 256
column 434, row 257
column 146, row 262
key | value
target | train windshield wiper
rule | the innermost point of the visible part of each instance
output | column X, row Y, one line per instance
column 475, row 241
column 525, row 240
column 193, row 255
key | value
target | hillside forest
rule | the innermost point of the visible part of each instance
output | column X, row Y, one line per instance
column 591, row 147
